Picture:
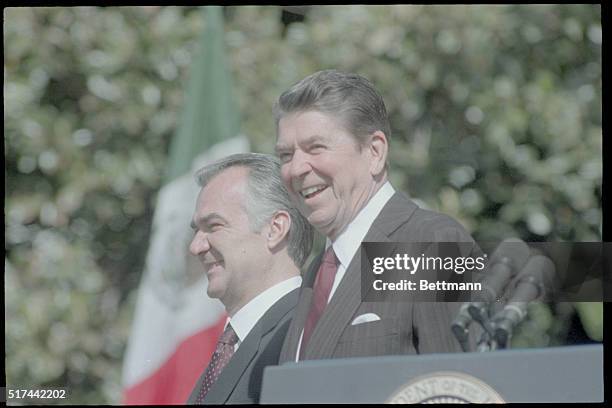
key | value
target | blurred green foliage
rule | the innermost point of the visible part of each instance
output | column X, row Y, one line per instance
column 496, row 118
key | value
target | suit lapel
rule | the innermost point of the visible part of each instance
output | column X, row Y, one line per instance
column 394, row 214
column 347, row 298
column 297, row 325
column 237, row 366
column 301, row 312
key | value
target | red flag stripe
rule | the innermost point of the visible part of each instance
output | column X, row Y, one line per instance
column 172, row 383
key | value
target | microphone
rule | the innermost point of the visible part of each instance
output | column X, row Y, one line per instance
column 509, row 256
column 460, row 325
column 531, row 285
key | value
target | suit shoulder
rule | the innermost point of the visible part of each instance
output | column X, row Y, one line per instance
column 272, row 322
column 428, row 225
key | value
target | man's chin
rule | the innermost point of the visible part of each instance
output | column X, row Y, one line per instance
column 321, row 223
column 213, row 292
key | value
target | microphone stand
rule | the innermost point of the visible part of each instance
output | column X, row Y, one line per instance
column 486, row 343
column 488, row 340
column 507, row 320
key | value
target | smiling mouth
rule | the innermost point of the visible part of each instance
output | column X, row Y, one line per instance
column 311, row 192
column 208, row 266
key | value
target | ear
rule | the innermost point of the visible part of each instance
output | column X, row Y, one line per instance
column 278, row 229
column 378, row 149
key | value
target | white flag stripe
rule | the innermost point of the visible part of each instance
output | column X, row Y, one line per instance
column 172, row 303
column 157, row 330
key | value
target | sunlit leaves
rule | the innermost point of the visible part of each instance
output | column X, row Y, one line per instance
column 495, row 114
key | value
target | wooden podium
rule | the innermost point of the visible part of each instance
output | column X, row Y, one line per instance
column 556, row 374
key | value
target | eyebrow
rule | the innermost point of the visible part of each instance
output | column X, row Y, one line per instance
column 207, row 219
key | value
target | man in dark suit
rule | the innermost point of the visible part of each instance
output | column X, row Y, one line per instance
column 251, row 241
column 333, row 141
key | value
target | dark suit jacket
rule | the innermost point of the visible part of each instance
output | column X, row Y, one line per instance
column 240, row 380
column 404, row 327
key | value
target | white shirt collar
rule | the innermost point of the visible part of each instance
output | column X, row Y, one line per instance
column 347, row 243
column 248, row 315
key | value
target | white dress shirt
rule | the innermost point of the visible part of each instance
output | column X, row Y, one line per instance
column 347, row 244
column 249, row 314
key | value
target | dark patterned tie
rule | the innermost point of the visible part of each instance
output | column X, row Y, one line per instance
column 222, row 355
column 322, row 287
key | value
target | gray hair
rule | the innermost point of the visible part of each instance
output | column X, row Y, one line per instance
column 348, row 96
column 266, row 194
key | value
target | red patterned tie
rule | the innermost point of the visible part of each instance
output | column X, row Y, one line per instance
column 222, row 355
column 322, row 287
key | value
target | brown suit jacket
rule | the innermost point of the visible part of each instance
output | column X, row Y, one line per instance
column 404, row 327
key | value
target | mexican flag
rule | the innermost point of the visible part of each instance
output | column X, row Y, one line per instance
column 176, row 324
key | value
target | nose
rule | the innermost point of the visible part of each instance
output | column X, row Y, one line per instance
column 199, row 244
column 300, row 165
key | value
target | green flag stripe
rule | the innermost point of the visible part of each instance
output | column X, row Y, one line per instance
column 209, row 113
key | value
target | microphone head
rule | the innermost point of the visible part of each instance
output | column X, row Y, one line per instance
column 507, row 259
column 513, row 252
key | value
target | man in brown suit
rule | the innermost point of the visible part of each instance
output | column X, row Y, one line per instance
column 333, row 141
